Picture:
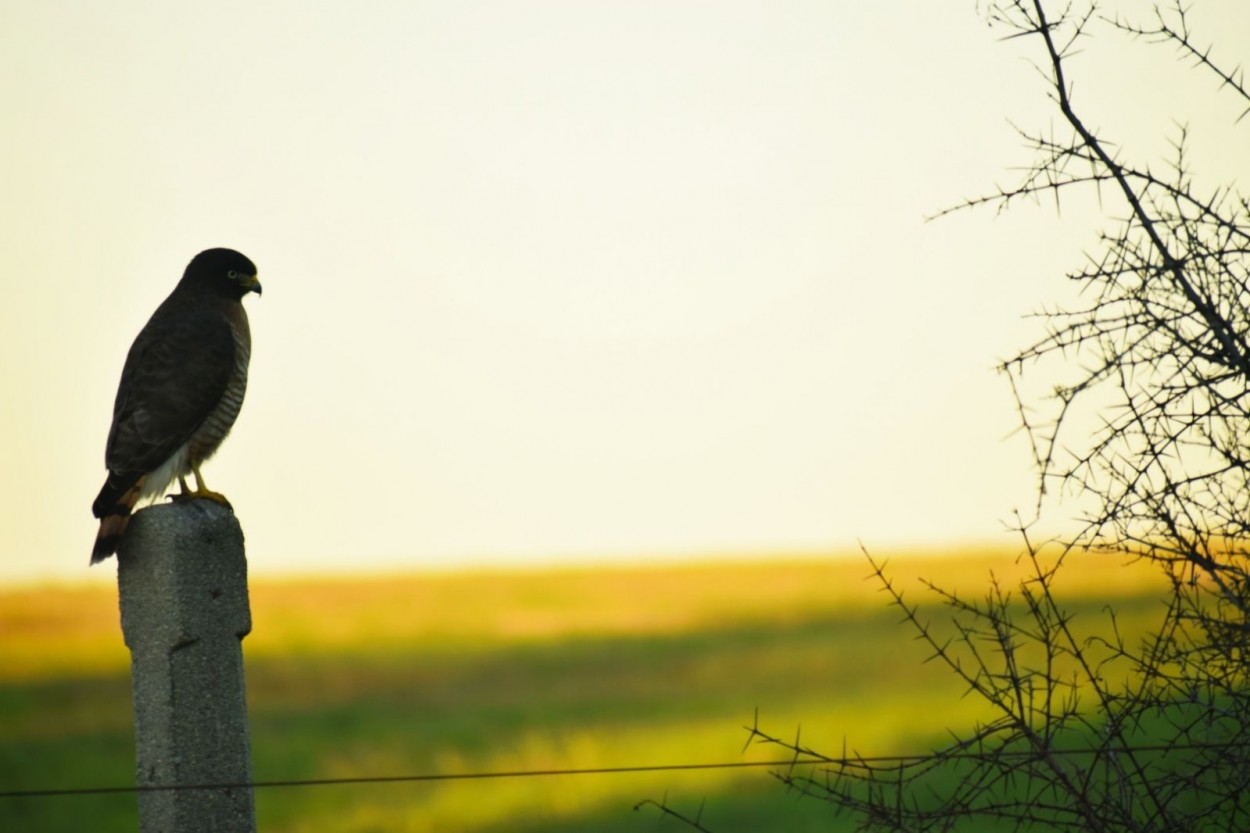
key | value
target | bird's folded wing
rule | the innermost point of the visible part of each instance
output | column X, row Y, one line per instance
column 174, row 376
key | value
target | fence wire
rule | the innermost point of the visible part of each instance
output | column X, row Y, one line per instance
column 806, row 760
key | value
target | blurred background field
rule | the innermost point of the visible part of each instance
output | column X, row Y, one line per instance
column 528, row 670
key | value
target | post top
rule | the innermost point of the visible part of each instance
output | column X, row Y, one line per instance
column 182, row 575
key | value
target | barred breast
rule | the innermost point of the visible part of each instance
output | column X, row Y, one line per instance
column 221, row 419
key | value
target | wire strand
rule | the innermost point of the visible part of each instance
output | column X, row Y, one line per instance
column 859, row 761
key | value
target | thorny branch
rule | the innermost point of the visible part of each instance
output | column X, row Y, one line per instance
column 1096, row 732
column 1161, row 346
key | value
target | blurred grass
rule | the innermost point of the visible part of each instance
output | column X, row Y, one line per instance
column 488, row 672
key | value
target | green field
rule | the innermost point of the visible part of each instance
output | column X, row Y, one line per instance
column 537, row 670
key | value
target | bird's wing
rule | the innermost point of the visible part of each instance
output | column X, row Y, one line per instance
column 175, row 374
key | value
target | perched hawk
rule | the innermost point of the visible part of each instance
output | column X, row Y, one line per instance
column 180, row 391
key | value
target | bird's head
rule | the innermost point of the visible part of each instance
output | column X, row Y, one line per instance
column 223, row 271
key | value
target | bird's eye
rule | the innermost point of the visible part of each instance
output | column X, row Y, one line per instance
column 232, row 275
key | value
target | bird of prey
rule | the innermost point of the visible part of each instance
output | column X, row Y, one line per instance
column 180, row 391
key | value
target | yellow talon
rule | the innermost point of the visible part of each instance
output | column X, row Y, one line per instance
column 201, row 491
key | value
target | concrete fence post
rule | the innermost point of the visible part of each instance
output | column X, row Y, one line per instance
column 182, row 579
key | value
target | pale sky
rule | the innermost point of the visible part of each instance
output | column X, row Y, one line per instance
column 549, row 280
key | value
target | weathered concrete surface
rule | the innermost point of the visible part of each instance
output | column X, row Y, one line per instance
column 182, row 578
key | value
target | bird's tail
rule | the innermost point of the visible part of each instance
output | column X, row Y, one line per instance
column 113, row 507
